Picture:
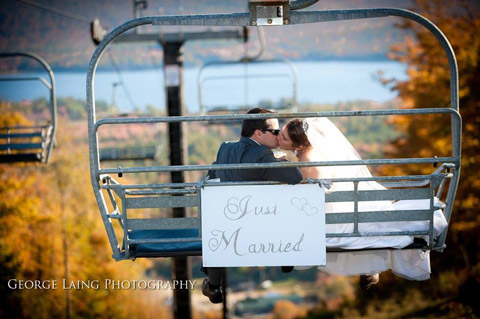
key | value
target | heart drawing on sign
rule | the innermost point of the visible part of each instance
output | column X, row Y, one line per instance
column 298, row 203
column 302, row 205
column 309, row 210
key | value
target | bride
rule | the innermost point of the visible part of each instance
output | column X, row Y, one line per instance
column 318, row 139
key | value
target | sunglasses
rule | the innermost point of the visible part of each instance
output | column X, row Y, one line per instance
column 271, row 130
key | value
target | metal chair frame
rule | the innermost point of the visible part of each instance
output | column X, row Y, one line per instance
column 15, row 136
column 291, row 76
column 131, row 153
column 187, row 194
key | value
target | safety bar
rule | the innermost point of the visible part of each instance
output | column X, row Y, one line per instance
column 27, row 78
column 191, row 188
column 23, row 127
column 236, row 117
column 185, row 168
column 455, row 158
column 182, row 185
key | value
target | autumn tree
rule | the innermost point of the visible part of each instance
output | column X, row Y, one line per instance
column 286, row 309
column 456, row 271
column 51, row 230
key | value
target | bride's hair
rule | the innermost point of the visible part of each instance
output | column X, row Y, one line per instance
column 296, row 132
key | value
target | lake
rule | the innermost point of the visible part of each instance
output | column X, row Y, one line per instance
column 227, row 85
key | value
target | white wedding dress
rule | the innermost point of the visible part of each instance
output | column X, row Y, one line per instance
column 329, row 144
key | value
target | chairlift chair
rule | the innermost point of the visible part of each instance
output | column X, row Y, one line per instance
column 133, row 153
column 32, row 143
column 128, row 153
column 290, row 76
column 167, row 237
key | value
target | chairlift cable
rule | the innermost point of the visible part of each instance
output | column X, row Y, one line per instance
column 247, row 59
column 261, row 39
column 120, row 77
column 157, row 69
column 54, row 10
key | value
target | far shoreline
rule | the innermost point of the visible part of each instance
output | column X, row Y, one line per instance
column 380, row 58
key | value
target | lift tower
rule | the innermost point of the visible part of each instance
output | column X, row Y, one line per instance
column 172, row 44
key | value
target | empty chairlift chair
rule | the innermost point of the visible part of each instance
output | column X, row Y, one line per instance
column 243, row 81
column 127, row 153
column 120, row 154
column 165, row 237
column 133, row 153
column 30, row 143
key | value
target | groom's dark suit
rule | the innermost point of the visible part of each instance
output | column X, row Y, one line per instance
column 248, row 151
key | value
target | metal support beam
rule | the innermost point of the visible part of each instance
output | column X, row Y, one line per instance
column 172, row 44
column 178, row 37
column 181, row 267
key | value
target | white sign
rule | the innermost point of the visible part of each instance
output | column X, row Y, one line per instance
column 263, row 225
column 172, row 75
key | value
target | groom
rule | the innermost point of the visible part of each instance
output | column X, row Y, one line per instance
column 258, row 139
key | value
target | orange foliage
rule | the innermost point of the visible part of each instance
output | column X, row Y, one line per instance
column 51, row 230
column 285, row 309
column 11, row 117
column 428, row 86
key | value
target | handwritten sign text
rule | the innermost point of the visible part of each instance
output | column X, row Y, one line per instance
column 263, row 225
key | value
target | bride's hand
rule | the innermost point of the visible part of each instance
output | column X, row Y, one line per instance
column 280, row 155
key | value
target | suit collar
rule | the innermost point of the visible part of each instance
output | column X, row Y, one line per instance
column 248, row 140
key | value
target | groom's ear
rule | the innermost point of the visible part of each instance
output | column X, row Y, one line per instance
column 257, row 134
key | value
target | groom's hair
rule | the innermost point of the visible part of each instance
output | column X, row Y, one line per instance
column 250, row 126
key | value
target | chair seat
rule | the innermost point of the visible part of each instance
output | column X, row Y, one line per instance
column 418, row 243
column 21, row 146
column 21, row 135
column 193, row 248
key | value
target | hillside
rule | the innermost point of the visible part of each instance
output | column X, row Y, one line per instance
column 368, row 134
column 66, row 43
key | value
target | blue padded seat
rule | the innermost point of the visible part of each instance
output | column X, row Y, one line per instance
column 194, row 248
column 166, row 249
